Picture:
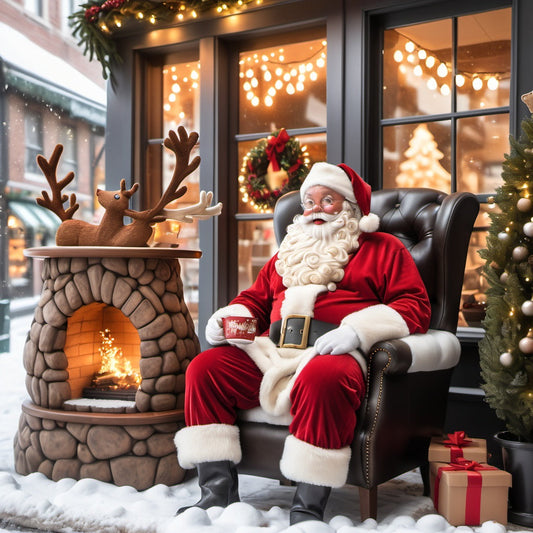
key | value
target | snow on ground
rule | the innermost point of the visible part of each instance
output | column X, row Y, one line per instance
column 88, row 505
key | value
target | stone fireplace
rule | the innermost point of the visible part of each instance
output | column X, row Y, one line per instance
column 96, row 301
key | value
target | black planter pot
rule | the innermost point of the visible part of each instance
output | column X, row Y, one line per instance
column 518, row 461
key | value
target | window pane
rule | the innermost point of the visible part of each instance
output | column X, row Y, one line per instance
column 257, row 243
column 417, row 69
column 283, row 85
column 259, row 183
column 483, row 60
column 33, row 139
column 417, row 155
column 481, row 145
column 181, row 96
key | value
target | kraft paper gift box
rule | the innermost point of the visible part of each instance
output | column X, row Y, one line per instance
column 469, row 493
column 457, row 444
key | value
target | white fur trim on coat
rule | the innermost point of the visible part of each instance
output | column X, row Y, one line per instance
column 434, row 350
column 376, row 323
column 210, row 442
column 304, row 463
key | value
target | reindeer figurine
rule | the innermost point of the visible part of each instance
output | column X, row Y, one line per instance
column 111, row 231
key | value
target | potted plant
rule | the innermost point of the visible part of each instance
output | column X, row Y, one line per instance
column 506, row 351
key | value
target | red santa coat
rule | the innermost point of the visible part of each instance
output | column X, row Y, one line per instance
column 381, row 296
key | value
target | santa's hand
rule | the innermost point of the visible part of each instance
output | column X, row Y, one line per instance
column 214, row 330
column 340, row 340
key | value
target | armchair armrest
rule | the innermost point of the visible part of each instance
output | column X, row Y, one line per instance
column 420, row 352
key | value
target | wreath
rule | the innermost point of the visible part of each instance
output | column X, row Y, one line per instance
column 275, row 166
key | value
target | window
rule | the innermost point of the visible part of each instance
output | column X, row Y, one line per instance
column 175, row 82
column 69, row 157
column 33, row 141
column 282, row 85
column 445, row 115
column 35, row 7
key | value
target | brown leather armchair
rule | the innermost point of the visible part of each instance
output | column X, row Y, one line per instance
column 408, row 379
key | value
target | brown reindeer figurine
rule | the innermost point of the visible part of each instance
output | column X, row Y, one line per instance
column 111, row 231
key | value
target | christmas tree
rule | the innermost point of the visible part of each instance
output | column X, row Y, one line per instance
column 422, row 167
column 506, row 351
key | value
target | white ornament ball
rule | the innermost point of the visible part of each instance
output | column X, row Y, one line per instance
column 506, row 359
column 528, row 229
column 504, row 277
column 527, row 308
column 504, row 236
column 520, row 253
column 524, row 204
column 526, row 345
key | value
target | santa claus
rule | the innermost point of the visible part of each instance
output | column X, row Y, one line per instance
column 335, row 287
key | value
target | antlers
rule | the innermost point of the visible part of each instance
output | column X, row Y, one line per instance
column 202, row 210
column 182, row 148
column 55, row 204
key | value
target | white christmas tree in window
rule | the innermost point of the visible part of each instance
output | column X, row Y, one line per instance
column 422, row 167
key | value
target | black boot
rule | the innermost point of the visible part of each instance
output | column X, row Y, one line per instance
column 309, row 503
column 219, row 485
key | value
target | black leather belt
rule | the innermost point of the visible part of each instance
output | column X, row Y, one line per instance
column 298, row 331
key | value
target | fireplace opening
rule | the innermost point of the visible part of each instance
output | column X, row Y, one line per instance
column 103, row 352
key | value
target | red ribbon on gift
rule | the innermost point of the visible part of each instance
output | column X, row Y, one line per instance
column 456, row 441
column 473, row 487
column 275, row 146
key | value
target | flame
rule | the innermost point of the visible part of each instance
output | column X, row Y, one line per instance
column 114, row 366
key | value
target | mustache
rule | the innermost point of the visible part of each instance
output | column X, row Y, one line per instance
column 319, row 216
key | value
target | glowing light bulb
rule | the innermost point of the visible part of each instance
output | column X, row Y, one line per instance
column 272, row 91
column 171, row 97
column 255, row 101
column 411, row 58
column 459, row 80
column 398, row 56
column 249, row 95
column 477, row 84
column 176, row 88
column 320, row 63
column 279, row 71
column 195, row 75
column 422, row 54
column 445, row 90
column 286, row 76
column 430, row 62
column 492, row 83
column 442, row 70
column 166, row 107
column 290, row 89
column 417, row 71
column 300, row 86
column 294, row 72
column 254, row 82
column 268, row 100
column 410, row 46
column 246, row 86
column 432, row 84
column 313, row 76
column 250, row 73
column 267, row 76
column 278, row 85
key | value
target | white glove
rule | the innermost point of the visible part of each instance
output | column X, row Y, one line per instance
column 340, row 340
column 214, row 331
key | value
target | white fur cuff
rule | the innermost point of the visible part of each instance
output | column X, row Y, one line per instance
column 376, row 323
column 305, row 463
column 211, row 442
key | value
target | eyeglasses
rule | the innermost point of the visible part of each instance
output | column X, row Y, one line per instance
column 326, row 203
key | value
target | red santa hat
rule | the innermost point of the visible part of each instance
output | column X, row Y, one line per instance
column 342, row 179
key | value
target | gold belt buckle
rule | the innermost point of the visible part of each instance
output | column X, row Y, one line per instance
column 304, row 332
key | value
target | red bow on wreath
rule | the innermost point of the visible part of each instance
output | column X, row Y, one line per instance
column 275, row 146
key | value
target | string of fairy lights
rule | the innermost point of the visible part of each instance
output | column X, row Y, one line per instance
column 265, row 75
column 438, row 72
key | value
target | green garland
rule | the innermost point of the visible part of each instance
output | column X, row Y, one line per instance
column 289, row 157
column 93, row 24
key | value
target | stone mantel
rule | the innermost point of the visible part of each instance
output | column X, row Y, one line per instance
column 112, row 251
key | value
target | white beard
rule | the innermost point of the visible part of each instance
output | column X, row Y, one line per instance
column 317, row 253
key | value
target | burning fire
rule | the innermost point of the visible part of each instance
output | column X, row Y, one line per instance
column 116, row 372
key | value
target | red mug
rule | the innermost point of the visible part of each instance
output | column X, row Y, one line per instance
column 240, row 328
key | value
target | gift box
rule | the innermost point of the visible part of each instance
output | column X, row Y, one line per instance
column 469, row 493
column 457, row 445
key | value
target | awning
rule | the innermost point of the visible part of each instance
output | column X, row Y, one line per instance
column 36, row 72
column 34, row 216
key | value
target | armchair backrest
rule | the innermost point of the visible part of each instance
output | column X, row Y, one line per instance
column 435, row 227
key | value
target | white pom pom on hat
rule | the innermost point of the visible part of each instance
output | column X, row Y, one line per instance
column 344, row 180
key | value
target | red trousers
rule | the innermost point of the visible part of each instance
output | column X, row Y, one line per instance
column 324, row 398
